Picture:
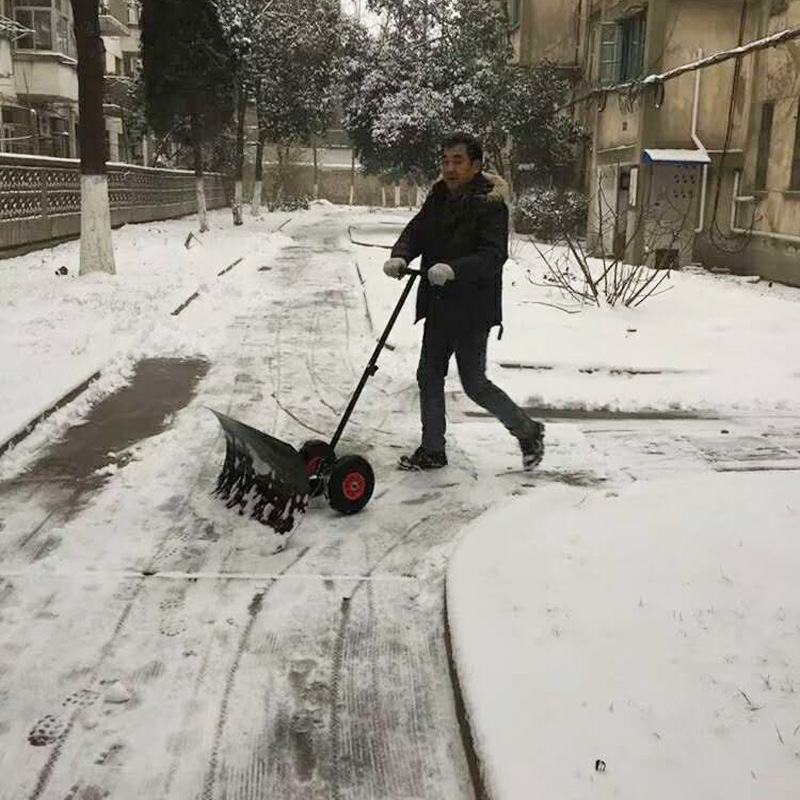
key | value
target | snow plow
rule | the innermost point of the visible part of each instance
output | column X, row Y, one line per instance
column 271, row 482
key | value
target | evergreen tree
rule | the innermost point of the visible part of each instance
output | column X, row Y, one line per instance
column 189, row 74
column 444, row 66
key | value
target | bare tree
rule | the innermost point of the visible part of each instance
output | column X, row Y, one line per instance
column 604, row 276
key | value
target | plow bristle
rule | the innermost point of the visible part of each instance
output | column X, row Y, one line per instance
column 253, row 487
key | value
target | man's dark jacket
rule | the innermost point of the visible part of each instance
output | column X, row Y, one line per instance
column 470, row 233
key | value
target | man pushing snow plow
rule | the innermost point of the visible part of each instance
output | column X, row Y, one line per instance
column 461, row 233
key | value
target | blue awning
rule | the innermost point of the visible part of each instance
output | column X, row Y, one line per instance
column 676, row 156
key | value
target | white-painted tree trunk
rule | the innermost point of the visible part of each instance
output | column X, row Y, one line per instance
column 97, row 253
column 202, row 212
column 397, row 196
column 255, row 207
column 237, row 204
column 383, row 196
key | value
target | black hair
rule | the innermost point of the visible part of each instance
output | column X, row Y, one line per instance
column 473, row 145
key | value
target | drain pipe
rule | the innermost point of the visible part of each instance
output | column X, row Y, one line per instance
column 737, row 199
column 700, row 146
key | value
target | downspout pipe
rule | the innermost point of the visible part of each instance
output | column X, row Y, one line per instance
column 701, row 147
column 737, row 199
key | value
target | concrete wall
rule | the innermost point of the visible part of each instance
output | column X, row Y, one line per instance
column 549, row 29
column 677, row 29
column 711, row 25
column 778, row 209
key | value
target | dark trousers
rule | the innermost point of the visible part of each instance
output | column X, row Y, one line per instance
column 439, row 343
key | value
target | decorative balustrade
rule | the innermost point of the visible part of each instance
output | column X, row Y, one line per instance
column 40, row 198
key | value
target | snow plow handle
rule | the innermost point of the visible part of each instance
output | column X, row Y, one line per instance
column 372, row 366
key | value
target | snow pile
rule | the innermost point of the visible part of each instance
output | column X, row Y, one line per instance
column 56, row 330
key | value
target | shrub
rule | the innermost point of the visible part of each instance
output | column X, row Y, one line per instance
column 551, row 214
column 289, row 203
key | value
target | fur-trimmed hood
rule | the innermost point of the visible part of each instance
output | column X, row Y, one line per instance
column 487, row 184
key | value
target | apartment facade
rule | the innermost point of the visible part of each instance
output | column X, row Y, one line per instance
column 703, row 168
column 39, row 76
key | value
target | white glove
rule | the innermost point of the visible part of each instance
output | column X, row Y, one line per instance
column 439, row 274
column 393, row 266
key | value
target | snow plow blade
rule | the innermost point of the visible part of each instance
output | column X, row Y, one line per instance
column 262, row 477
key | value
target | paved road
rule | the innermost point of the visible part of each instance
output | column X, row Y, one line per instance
column 319, row 672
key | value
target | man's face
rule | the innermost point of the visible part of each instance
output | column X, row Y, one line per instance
column 457, row 168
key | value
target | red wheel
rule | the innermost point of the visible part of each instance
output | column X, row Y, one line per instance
column 318, row 457
column 353, row 486
column 350, row 484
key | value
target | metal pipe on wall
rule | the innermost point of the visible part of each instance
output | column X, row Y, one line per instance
column 700, row 146
column 736, row 200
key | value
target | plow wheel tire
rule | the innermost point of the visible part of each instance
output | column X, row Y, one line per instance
column 351, row 484
column 318, row 457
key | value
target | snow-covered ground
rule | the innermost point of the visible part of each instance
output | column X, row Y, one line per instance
column 629, row 575
column 656, row 630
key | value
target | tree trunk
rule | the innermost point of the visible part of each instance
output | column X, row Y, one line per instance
column 316, row 171
column 241, row 112
column 97, row 252
column 352, row 176
column 259, row 179
column 277, row 189
column 197, row 149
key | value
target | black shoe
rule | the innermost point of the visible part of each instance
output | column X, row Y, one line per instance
column 532, row 446
column 422, row 459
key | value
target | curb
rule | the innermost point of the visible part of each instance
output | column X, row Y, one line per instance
column 72, row 394
column 467, row 739
column 28, row 429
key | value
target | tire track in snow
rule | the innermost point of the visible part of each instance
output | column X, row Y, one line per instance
column 46, row 771
column 256, row 604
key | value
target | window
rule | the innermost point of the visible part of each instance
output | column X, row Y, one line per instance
column 609, row 49
column 764, row 138
column 133, row 12
column 622, row 49
column 514, row 12
column 60, row 133
column 794, row 184
column 132, row 64
column 51, row 24
column 16, row 131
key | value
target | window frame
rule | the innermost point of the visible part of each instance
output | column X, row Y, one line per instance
column 514, row 14
column 761, row 177
column 608, row 66
column 622, row 47
column 61, row 32
column 794, row 175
